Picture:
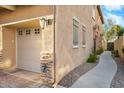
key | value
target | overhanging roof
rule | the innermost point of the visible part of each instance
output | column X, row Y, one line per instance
column 27, row 23
column 24, row 24
column 100, row 12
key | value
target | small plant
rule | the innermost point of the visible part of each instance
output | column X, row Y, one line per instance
column 92, row 58
column 99, row 51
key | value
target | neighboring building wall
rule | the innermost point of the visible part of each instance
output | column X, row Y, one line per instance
column 25, row 12
column 67, row 57
column 118, row 44
column 104, row 44
column 100, row 32
column 1, row 64
column 1, row 39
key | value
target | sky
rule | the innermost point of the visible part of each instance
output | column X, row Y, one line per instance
column 116, row 13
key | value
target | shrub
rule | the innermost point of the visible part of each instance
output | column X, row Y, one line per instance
column 99, row 51
column 92, row 58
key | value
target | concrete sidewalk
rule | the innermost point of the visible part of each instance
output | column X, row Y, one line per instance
column 100, row 76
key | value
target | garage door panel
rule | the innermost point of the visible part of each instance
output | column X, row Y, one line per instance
column 28, row 51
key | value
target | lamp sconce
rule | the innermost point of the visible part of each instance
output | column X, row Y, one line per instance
column 43, row 22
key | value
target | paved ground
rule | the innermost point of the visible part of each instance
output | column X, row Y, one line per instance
column 20, row 79
column 33, row 76
column 100, row 76
column 118, row 80
column 75, row 74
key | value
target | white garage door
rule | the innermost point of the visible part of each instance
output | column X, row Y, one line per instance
column 28, row 49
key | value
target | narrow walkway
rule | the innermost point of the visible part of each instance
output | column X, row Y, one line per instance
column 100, row 76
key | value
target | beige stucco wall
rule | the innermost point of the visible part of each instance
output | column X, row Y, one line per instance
column 67, row 58
column 1, row 63
column 1, row 39
column 104, row 44
column 99, row 22
column 9, row 48
column 26, row 12
column 118, row 44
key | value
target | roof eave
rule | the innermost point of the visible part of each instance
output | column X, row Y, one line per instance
column 100, row 12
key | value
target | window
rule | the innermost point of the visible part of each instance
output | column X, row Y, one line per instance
column 20, row 32
column 75, row 32
column 28, row 32
column 83, row 35
column 37, row 31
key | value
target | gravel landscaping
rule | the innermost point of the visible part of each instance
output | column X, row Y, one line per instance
column 75, row 74
column 118, row 80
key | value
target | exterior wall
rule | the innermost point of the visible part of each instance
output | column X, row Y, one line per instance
column 67, row 57
column 100, row 32
column 25, row 12
column 9, row 48
column 118, row 44
column 1, row 63
column 1, row 39
column 104, row 44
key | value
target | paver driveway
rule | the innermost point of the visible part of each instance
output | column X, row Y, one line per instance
column 20, row 79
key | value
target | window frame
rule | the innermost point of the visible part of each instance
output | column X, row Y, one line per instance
column 78, row 25
column 83, row 29
column 37, row 31
column 20, row 32
column 28, row 32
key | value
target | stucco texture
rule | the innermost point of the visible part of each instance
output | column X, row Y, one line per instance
column 118, row 45
column 9, row 48
column 67, row 57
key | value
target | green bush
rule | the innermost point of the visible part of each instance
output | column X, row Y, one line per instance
column 92, row 58
column 99, row 51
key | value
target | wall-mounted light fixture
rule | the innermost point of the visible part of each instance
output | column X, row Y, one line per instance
column 43, row 22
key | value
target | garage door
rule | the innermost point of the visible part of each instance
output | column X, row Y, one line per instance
column 28, row 49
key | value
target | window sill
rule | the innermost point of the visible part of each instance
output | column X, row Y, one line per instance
column 75, row 47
